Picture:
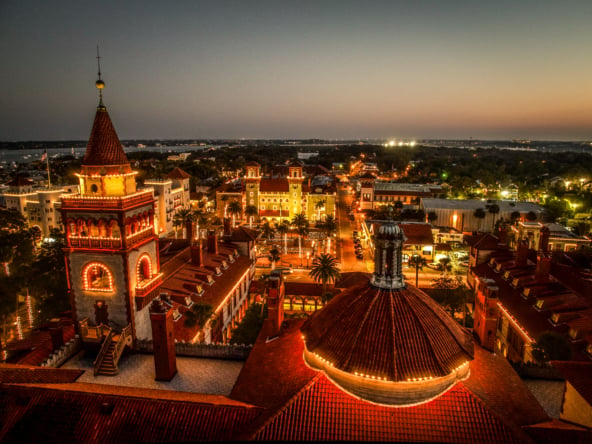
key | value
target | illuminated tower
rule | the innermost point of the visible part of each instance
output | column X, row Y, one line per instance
column 295, row 179
column 112, row 251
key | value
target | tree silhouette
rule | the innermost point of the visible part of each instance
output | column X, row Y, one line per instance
column 480, row 215
column 494, row 210
column 324, row 269
column 274, row 256
column 300, row 222
column 283, row 228
column 418, row 262
column 551, row 346
column 251, row 211
column 234, row 208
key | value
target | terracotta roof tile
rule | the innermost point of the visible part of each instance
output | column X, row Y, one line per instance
column 579, row 375
column 322, row 412
column 398, row 334
column 104, row 147
column 178, row 173
column 18, row 374
column 274, row 186
column 78, row 416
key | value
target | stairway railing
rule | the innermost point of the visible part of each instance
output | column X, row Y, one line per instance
column 103, row 352
column 125, row 338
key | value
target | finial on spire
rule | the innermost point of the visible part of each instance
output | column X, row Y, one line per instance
column 99, row 83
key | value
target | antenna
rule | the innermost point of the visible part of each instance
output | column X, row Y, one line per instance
column 99, row 83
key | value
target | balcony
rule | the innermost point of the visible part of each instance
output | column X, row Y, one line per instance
column 107, row 243
column 75, row 201
column 144, row 234
column 147, row 291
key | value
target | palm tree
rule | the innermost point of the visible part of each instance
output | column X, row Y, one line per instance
column 444, row 266
column 329, row 227
column 202, row 219
column 479, row 214
column 267, row 230
column 418, row 262
column 494, row 209
column 176, row 224
column 531, row 216
column 514, row 217
column 185, row 217
column 251, row 211
column 274, row 256
column 398, row 208
column 234, row 208
column 325, row 269
column 319, row 205
column 432, row 217
column 224, row 199
column 301, row 223
column 199, row 314
column 283, row 229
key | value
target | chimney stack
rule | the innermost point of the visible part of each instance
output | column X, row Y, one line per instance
column 522, row 253
column 196, row 253
column 189, row 229
column 212, row 242
column 544, row 240
column 56, row 332
column 543, row 267
column 163, row 338
column 227, row 227
column 275, row 301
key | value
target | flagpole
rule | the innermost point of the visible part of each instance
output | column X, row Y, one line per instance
column 48, row 175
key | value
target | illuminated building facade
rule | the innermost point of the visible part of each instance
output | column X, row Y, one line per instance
column 375, row 193
column 111, row 248
column 278, row 198
column 39, row 206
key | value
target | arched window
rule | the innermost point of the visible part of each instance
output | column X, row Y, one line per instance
column 97, row 277
column 143, row 269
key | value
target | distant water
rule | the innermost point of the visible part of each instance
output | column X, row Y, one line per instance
column 28, row 156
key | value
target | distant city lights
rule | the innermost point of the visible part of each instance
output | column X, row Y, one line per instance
column 393, row 143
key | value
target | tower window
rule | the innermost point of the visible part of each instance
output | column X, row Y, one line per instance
column 97, row 277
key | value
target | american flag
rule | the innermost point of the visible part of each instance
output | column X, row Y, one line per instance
column 44, row 156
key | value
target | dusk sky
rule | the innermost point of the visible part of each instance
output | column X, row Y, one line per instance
column 298, row 69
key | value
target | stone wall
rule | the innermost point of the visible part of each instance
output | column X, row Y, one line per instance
column 58, row 357
column 213, row 351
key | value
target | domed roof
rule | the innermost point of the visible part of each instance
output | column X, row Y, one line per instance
column 389, row 231
column 400, row 339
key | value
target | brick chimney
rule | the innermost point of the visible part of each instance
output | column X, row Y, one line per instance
column 227, row 227
column 543, row 267
column 275, row 301
column 196, row 253
column 163, row 338
column 544, row 240
column 522, row 253
column 189, row 229
column 212, row 242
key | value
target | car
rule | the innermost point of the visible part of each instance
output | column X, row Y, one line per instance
column 464, row 264
column 285, row 270
column 433, row 265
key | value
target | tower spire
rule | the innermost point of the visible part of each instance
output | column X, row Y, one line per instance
column 99, row 83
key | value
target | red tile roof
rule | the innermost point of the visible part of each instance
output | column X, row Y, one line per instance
column 243, row 234
column 417, row 234
column 274, row 186
column 76, row 413
column 178, row 173
column 38, row 347
column 397, row 334
column 104, row 147
column 321, row 411
column 579, row 375
column 20, row 374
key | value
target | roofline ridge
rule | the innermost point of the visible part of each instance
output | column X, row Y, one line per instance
column 463, row 346
column 515, row 428
column 290, row 401
column 395, row 350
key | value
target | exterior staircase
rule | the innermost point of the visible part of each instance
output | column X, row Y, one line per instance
column 111, row 351
column 108, row 366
